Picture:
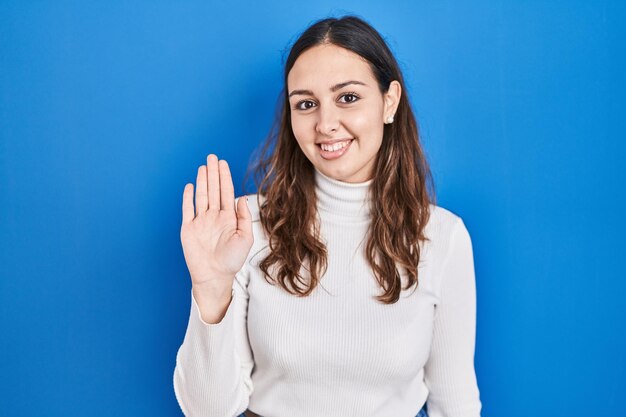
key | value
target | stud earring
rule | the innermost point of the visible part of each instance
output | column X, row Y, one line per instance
column 389, row 120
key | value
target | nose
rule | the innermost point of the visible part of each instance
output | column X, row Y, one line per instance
column 328, row 120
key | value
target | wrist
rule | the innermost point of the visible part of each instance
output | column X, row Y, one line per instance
column 213, row 291
column 212, row 303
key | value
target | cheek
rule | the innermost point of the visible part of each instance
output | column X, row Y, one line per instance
column 302, row 130
column 362, row 123
column 366, row 125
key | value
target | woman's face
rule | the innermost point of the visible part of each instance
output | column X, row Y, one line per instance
column 337, row 111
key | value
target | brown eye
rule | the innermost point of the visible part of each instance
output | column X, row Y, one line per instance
column 349, row 98
column 307, row 105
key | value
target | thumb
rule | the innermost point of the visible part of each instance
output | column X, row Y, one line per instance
column 244, row 217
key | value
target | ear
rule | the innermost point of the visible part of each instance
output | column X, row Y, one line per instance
column 392, row 99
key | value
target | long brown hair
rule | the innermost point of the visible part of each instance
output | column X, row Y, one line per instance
column 401, row 190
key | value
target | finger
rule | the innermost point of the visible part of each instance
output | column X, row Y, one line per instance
column 244, row 218
column 213, row 179
column 227, row 190
column 201, row 191
column 188, row 203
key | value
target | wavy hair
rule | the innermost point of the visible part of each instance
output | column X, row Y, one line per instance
column 402, row 188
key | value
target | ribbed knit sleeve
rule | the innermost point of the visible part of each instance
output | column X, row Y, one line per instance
column 449, row 372
column 214, row 362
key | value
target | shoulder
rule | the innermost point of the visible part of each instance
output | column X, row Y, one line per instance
column 449, row 245
column 443, row 221
column 444, row 230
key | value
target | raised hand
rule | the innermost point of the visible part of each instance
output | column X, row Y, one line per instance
column 216, row 237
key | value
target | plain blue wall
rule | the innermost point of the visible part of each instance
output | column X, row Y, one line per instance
column 108, row 108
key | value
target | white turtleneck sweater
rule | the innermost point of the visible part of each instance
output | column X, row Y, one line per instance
column 339, row 352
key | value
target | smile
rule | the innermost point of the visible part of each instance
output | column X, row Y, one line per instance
column 334, row 151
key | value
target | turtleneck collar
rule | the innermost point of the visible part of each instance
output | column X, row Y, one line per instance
column 349, row 201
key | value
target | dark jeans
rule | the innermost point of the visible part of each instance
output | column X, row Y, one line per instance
column 422, row 413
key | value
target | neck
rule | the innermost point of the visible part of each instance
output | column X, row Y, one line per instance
column 349, row 201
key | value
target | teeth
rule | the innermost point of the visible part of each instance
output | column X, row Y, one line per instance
column 335, row 146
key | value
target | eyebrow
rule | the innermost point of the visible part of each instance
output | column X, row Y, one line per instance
column 333, row 88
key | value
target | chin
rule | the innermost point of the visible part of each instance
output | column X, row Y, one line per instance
column 338, row 174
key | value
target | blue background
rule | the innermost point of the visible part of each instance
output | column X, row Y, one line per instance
column 108, row 108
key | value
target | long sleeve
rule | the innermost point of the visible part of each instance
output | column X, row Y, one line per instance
column 214, row 362
column 449, row 372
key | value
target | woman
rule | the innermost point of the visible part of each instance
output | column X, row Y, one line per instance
column 305, row 297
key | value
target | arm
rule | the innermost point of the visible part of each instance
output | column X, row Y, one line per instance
column 214, row 362
column 449, row 373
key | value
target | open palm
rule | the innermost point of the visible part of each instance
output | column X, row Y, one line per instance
column 216, row 237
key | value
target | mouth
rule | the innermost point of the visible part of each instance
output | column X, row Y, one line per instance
column 335, row 150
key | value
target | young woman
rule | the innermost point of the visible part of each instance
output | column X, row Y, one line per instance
column 340, row 289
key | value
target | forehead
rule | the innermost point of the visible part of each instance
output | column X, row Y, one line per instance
column 325, row 65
